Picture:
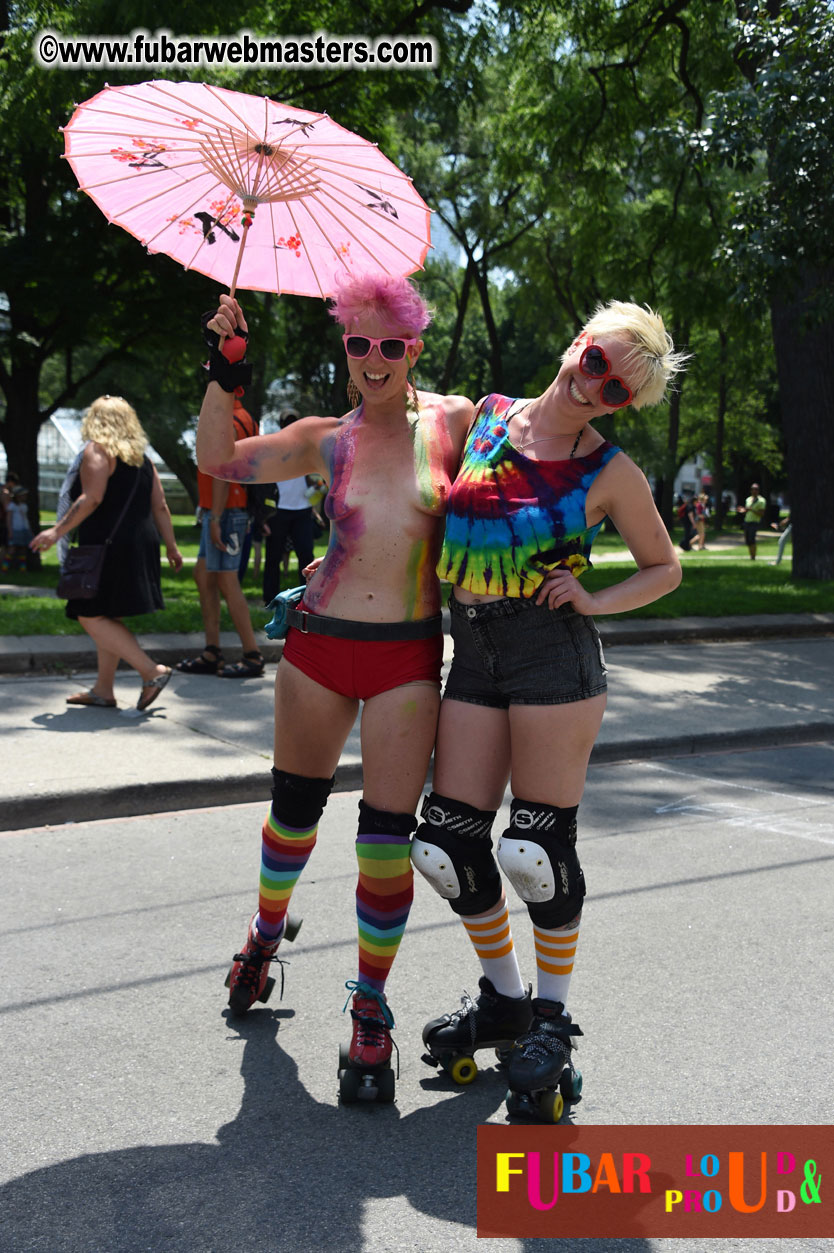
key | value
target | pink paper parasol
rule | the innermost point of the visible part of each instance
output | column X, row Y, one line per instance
column 255, row 194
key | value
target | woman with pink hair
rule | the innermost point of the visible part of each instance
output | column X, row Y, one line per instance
column 368, row 628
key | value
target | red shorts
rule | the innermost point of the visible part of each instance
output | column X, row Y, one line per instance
column 361, row 669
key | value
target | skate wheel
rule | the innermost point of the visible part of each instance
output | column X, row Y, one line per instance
column 463, row 1070
column 570, row 1085
column 227, row 980
column 344, row 1056
column 349, row 1086
column 267, row 992
column 386, row 1086
column 551, row 1106
column 518, row 1105
column 292, row 927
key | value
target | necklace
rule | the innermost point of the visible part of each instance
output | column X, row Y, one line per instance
column 542, row 439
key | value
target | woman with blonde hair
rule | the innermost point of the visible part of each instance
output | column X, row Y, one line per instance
column 114, row 468
column 527, row 687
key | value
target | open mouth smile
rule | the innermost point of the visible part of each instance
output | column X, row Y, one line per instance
column 374, row 379
column 576, row 394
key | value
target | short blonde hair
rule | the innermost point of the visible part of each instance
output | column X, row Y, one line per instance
column 652, row 357
column 111, row 422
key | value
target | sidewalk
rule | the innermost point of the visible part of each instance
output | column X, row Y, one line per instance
column 676, row 687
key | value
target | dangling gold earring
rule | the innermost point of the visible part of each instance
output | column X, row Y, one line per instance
column 411, row 399
column 353, row 394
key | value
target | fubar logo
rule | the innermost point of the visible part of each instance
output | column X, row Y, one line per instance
column 654, row 1182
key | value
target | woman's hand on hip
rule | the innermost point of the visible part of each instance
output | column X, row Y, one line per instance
column 560, row 587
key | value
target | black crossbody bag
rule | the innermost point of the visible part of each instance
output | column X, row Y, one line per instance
column 81, row 572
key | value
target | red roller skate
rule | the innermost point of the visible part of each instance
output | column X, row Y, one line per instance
column 249, row 979
column 365, row 1072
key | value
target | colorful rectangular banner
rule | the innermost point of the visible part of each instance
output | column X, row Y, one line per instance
column 703, row 1181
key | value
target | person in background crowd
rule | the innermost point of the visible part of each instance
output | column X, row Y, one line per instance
column 224, row 517
column 753, row 510
column 292, row 521
column 114, row 465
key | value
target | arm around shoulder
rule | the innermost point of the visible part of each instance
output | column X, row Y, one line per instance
column 459, row 411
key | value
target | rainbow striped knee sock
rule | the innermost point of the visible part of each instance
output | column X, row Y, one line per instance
column 383, row 901
column 285, row 851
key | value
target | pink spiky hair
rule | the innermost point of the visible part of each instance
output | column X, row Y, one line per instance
column 393, row 299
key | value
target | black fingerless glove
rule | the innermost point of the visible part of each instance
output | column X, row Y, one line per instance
column 227, row 365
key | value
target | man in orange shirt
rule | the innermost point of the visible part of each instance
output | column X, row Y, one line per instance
column 225, row 521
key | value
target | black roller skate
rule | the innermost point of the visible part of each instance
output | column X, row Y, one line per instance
column 542, row 1076
column 365, row 1072
column 249, row 979
column 492, row 1021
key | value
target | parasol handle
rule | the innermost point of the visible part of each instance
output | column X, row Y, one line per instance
column 247, row 220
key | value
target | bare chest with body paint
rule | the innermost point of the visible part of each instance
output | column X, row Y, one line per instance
column 388, row 491
column 391, row 472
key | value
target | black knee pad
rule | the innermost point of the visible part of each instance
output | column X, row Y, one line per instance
column 297, row 800
column 453, row 851
column 538, row 855
column 381, row 822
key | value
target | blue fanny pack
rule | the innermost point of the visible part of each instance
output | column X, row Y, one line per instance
column 278, row 626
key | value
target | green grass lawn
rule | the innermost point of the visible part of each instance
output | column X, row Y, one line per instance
column 716, row 583
column 40, row 615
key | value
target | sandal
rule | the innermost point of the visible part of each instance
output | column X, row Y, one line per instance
column 251, row 667
column 153, row 687
column 90, row 698
column 202, row 664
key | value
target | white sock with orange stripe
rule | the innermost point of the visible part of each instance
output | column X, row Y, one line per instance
column 555, row 951
column 493, row 942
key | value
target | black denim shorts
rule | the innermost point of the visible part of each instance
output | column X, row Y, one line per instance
column 514, row 652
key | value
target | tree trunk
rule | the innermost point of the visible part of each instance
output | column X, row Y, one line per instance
column 176, row 457
column 452, row 356
column 20, row 434
column 805, row 366
column 720, row 419
column 496, row 361
column 670, row 468
column 672, row 464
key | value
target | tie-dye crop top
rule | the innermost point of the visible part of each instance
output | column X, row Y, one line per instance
column 510, row 520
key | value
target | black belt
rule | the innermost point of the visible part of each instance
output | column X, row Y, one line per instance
column 344, row 628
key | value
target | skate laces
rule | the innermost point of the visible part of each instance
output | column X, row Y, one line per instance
column 547, row 1037
column 365, row 989
column 536, row 1046
column 250, row 967
column 372, row 1028
column 468, row 1009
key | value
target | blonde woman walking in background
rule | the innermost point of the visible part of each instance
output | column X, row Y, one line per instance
column 113, row 465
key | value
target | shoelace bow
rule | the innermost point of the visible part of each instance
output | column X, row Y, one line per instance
column 371, row 1028
column 542, row 1041
column 468, row 1008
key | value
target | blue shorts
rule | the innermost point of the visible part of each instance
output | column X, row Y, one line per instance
column 234, row 524
column 514, row 652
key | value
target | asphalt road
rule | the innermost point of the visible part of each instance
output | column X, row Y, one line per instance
column 138, row 1116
